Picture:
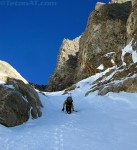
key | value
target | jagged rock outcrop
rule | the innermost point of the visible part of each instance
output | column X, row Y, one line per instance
column 98, row 48
column 119, row 79
column 14, row 110
column 123, row 78
column 103, row 39
column 18, row 99
column 110, row 40
column 63, row 75
column 98, row 5
column 132, row 25
column 134, row 2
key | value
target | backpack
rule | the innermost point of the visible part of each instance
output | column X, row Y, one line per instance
column 69, row 100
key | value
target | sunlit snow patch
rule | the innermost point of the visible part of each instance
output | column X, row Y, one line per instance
column 101, row 67
column 129, row 49
column 10, row 86
column 2, row 82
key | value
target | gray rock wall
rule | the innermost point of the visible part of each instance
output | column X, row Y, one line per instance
column 105, row 33
column 109, row 29
column 65, row 70
column 132, row 25
column 18, row 100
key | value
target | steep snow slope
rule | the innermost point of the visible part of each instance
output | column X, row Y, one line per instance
column 101, row 123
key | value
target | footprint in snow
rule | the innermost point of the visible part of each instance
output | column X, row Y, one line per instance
column 58, row 139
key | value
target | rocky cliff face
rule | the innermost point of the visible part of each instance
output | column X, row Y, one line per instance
column 123, row 78
column 63, row 75
column 17, row 98
column 103, row 39
column 132, row 24
column 109, row 41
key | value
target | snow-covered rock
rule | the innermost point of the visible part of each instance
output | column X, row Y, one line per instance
column 129, row 49
column 119, row 1
column 18, row 100
column 7, row 71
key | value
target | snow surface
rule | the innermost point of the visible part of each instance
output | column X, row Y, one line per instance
column 2, row 82
column 10, row 86
column 102, row 123
column 112, row 61
column 129, row 49
column 101, row 67
column 109, row 54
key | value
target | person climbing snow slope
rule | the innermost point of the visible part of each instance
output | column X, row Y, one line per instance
column 69, row 105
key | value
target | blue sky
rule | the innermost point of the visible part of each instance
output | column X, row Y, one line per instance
column 31, row 35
